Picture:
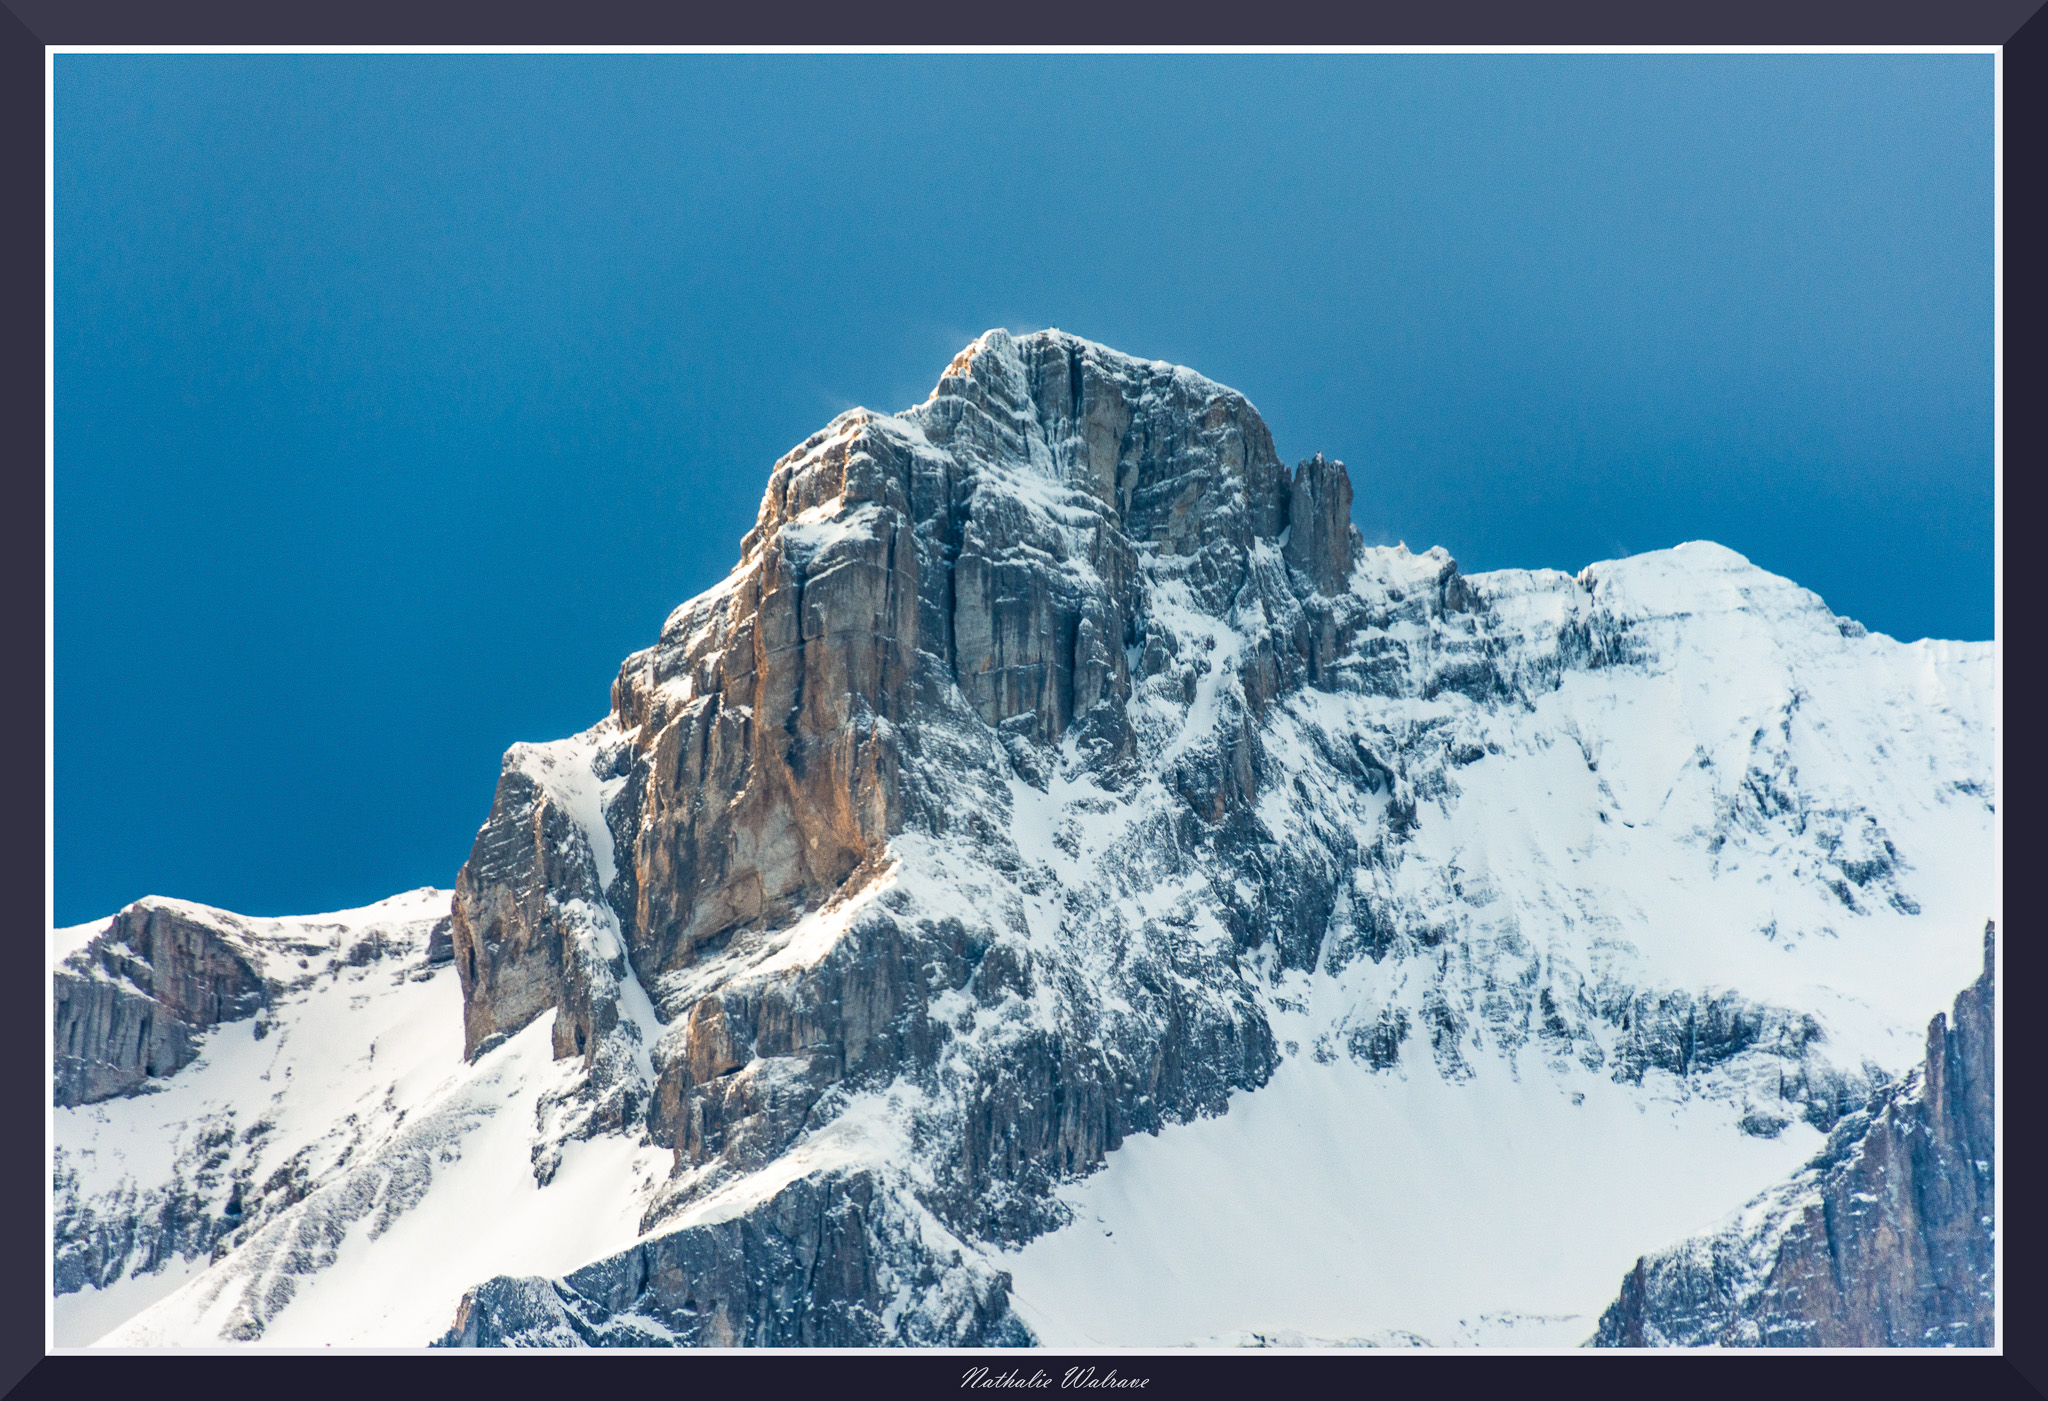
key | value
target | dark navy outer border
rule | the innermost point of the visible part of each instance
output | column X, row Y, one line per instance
column 27, row 26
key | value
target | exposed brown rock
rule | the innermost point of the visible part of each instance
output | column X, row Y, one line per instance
column 763, row 733
column 927, row 606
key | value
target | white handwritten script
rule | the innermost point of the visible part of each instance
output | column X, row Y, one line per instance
column 1083, row 1378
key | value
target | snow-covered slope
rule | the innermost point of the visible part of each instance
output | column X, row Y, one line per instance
column 280, row 1177
column 1351, row 1206
column 1063, row 887
column 1767, row 805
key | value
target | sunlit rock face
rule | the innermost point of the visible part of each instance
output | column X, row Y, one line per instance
column 1055, row 767
column 1048, row 732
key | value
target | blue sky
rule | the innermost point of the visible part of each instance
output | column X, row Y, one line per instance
column 399, row 397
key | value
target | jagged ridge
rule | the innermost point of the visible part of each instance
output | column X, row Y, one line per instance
column 1079, row 577
column 1053, row 765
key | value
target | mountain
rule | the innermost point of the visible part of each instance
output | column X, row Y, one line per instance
column 1063, row 886
column 1886, row 1239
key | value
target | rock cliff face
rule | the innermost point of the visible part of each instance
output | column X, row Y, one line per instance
column 130, row 1005
column 1043, row 736
column 931, row 608
column 974, row 560
column 1053, row 766
column 1885, row 1240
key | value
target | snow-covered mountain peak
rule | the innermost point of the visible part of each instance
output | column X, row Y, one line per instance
column 1002, row 360
column 1056, row 772
column 1701, row 577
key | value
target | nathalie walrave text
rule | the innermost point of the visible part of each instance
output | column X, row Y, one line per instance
column 1072, row 1377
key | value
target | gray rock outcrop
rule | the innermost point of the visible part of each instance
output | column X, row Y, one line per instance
column 1886, row 1239
column 139, row 1004
column 829, row 1261
column 131, row 1005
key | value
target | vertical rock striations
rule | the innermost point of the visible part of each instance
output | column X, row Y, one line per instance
column 936, row 615
column 1885, row 1240
column 1319, row 530
column 131, row 1004
column 1052, row 766
column 1046, row 739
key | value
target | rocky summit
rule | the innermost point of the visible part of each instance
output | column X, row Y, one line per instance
column 1065, row 887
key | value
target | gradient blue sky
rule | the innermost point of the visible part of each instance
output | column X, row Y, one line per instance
column 399, row 397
